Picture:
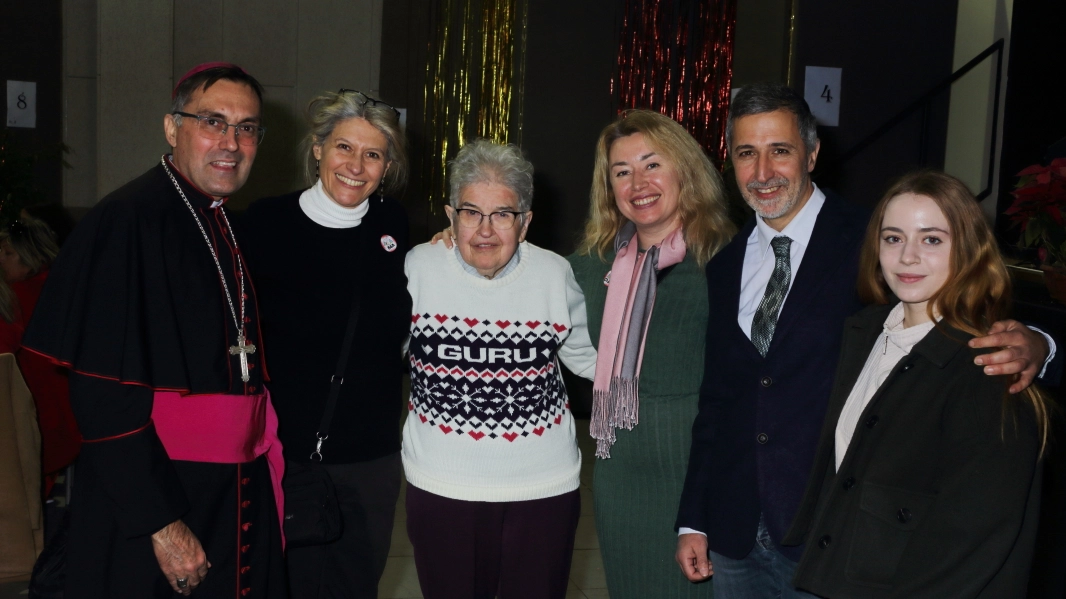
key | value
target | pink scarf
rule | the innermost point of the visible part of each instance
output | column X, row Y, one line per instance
column 631, row 287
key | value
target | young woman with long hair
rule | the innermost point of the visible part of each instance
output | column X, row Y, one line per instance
column 926, row 482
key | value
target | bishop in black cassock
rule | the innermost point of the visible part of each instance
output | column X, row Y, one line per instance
column 136, row 307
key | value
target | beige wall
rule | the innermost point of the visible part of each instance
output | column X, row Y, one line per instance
column 979, row 24
column 122, row 57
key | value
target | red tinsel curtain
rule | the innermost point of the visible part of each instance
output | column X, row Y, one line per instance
column 676, row 57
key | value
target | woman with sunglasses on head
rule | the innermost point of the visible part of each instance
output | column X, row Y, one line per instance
column 489, row 445
column 926, row 480
column 317, row 256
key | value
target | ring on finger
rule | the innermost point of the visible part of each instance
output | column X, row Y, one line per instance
column 182, row 583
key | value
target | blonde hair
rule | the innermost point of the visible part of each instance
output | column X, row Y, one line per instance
column 978, row 290
column 701, row 201
column 33, row 241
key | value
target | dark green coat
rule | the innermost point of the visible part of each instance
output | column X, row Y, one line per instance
column 938, row 494
column 636, row 491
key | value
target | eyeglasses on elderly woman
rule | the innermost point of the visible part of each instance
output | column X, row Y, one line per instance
column 500, row 220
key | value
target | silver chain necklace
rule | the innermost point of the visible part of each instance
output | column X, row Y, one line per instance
column 243, row 348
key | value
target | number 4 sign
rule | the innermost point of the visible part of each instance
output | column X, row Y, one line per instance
column 821, row 89
column 22, row 104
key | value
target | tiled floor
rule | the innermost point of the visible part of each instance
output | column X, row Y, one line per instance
column 586, row 572
column 401, row 582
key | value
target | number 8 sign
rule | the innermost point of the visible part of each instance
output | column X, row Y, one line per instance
column 22, row 104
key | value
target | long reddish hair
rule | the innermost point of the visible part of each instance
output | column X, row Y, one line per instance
column 978, row 290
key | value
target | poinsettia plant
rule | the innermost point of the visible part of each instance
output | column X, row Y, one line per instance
column 1040, row 208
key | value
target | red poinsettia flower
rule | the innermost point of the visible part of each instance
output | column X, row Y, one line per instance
column 1039, row 208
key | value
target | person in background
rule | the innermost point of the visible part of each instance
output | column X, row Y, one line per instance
column 489, row 445
column 926, row 480
column 55, row 215
column 27, row 249
column 311, row 251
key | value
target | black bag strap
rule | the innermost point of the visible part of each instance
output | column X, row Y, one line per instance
column 338, row 376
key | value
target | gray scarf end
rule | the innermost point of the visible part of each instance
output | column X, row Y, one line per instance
column 611, row 410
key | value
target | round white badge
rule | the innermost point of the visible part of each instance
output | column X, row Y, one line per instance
column 388, row 243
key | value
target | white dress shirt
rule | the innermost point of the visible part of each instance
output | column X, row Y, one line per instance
column 894, row 344
column 759, row 257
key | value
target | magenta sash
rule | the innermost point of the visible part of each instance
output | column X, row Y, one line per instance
column 222, row 429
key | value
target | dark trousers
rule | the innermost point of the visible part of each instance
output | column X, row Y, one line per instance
column 481, row 550
column 352, row 566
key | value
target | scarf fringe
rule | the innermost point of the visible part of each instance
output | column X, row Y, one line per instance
column 613, row 409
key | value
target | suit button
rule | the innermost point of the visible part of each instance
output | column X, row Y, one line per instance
column 246, row 526
column 906, row 367
column 849, row 483
column 766, row 381
column 246, row 503
column 245, row 480
column 903, row 515
column 245, row 548
column 762, row 438
column 872, row 421
column 825, row 541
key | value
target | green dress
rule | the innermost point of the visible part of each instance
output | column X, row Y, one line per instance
column 636, row 490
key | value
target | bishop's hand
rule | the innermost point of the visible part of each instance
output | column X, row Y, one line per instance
column 181, row 557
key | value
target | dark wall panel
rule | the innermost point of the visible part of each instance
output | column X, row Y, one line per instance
column 571, row 53
column 31, row 50
column 1034, row 119
column 891, row 54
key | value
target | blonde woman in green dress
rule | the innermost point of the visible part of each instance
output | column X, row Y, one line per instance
column 658, row 213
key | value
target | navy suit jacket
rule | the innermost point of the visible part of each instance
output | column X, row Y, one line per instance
column 754, row 439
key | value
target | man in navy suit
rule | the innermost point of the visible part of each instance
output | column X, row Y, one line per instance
column 779, row 294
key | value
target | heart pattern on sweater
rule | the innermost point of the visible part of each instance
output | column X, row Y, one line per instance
column 486, row 377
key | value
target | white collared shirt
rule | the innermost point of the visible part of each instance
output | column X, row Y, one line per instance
column 759, row 257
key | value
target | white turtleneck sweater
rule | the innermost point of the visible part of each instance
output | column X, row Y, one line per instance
column 892, row 345
column 324, row 211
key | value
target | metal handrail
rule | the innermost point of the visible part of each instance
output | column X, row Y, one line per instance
column 922, row 103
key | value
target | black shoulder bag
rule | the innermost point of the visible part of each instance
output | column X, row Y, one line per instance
column 312, row 514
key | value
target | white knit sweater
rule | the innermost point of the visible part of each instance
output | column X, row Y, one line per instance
column 892, row 346
column 489, row 418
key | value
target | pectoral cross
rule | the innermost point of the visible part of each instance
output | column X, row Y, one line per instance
column 243, row 348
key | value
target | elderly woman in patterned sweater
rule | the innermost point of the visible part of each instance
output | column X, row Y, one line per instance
column 488, row 447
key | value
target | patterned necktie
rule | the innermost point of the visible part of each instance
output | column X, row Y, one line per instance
column 762, row 328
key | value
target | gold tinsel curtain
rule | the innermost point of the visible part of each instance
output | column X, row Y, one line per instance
column 474, row 76
column 676, row 57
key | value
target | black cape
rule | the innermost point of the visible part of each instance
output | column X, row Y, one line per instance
column 134, row 304
column 135, row 296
